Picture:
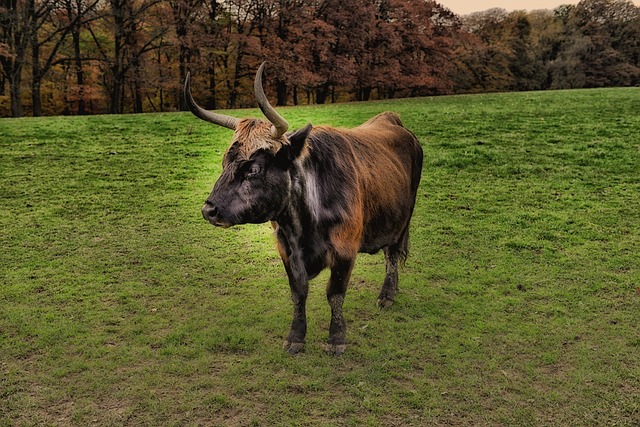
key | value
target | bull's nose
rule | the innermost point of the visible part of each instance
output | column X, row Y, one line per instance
column 209, row 211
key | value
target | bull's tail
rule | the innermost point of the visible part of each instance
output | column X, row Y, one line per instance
column 416, row 174
column 403, row 246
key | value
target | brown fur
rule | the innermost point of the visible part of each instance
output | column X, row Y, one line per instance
column 374, row 148
column 253, row 135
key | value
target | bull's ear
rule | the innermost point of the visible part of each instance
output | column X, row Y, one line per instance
column 297, row 140
column 288, row 153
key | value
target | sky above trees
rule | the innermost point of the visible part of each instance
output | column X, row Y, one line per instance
column 467, row 6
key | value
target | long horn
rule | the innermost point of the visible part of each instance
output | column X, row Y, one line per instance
column 209, row 116
column 280, row 125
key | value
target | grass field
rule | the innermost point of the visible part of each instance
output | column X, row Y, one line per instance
column 518, row 306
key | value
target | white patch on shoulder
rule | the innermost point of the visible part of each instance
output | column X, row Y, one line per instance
column 313, row 195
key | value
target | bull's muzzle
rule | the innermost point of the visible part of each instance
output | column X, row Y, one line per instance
column 211, row 214
column 209, row 211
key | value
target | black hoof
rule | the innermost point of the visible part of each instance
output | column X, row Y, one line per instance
column 335, row 350
column 292, row 348
column 384, row 303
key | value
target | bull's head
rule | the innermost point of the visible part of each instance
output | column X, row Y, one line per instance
column 255, row 181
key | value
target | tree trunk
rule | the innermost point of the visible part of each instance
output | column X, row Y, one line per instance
column 79, row 71
column 184, row 57
column 160, row 75
column 138, row 99
column 116, row 93
column 36, row 98
column 123, row 89
column 16, row 100
column 233, row 96
column 36, row 76
column 212, row 30
column 322, row 92
column 226, row 69
column 391, row 93
column 116, row 107
column 281, row 90
column 363, row 93
column 211, row 99
column 137, row 88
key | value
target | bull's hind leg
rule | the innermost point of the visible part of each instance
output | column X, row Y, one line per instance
column 336, row 291
column 390, row 285
column 393, row 255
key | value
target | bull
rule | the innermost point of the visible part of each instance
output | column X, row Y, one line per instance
column 329, row 193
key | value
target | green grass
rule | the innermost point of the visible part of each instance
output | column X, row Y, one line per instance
column 519, row 303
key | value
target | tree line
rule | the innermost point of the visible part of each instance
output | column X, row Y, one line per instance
column 120, row 56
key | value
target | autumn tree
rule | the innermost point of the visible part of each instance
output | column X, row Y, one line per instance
column 490, row 52
column 424, row 30
column 74, row 16
column 240, row 47
column 283, row 30
column 185, row 13
column 610, row 28
column 377, row 62
column 334, row 42
column 18, row 19
column 133, row 37
column 598, row 45
column 49, row 33
column 545, row 42
column 210, row 51
column 39, row 16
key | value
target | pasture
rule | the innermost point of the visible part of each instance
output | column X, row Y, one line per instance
column 518, row 305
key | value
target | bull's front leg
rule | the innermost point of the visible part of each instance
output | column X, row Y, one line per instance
column 336, row 292
column 299, row 284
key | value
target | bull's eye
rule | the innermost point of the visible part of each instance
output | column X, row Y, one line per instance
column 252, row 172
